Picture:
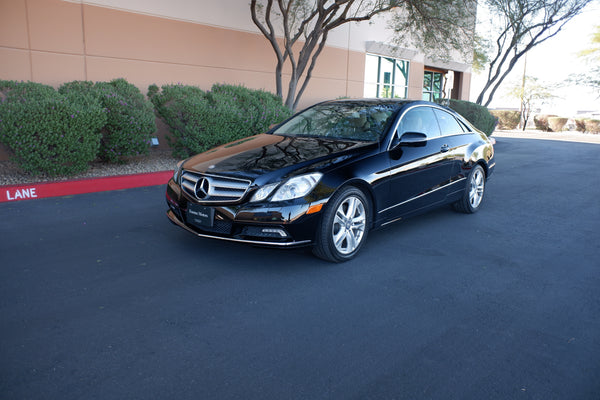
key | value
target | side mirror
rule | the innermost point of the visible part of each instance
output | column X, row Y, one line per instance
column 411, row 139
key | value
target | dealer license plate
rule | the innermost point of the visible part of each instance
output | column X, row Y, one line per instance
column 200, row 216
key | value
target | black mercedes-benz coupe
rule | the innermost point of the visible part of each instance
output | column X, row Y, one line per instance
column 332, row 172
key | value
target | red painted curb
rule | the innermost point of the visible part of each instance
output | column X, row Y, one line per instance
column 66, row 188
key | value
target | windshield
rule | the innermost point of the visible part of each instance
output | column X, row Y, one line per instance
column 341, row 120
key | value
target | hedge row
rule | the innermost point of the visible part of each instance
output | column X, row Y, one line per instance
column 541, row 122
column 507, row 119
column 553, row 123
column 478, row 115
column 59, row 132
column 48, row 132
column 588, row 125
column 556, row 124
column 199, row 120
column 130, row 118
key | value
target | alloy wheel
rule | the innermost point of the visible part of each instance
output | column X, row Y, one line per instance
column 349, row 225
column 477, row 188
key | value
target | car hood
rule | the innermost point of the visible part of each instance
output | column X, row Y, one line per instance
column 274, row 156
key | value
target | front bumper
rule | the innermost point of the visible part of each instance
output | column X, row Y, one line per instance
column 274, row 225
column 174, row 219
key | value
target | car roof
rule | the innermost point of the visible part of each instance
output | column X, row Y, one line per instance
column 402, row 104
column 375, row 101
column 369, row 101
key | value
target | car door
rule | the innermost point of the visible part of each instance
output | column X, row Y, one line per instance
column 418, row 172
column 456, row 142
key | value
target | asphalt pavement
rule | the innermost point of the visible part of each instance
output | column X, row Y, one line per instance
column 102, row 298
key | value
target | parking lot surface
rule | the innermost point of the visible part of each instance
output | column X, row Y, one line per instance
column 102, row 298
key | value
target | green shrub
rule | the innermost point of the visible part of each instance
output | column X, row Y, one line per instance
column 258, row 109
column 199, row 120
column 541, row 122
column 507, row 119
column 587, row 125
column 556, row 124
column 186, row 111
column 48, row 133
column 592, row 125
column 478, row 115
column 13, row 91
column 580, row 124
column 130, row 117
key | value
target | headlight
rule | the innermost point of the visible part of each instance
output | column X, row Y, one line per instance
column 177, row 172
column 264, row 192
column 297, row 187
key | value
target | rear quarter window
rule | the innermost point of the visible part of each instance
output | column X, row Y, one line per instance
column 448, row 124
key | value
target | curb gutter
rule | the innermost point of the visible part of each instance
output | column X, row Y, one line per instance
column 68, row 188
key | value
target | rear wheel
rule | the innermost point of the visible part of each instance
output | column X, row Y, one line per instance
column 473, row 195
column 344, row 226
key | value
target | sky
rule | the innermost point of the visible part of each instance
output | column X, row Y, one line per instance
column 552, row 62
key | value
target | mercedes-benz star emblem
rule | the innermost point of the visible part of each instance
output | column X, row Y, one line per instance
column 202, row 188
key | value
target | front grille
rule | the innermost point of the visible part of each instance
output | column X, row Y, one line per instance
column 212, row 188
column 222, row 227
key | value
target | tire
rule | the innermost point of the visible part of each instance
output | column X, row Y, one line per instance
column 344, row 226
column 474, row 191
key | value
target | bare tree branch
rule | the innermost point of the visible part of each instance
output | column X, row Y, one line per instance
column 524, row 24
column 312, row 20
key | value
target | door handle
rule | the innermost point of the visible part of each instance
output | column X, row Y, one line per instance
column 445, row 148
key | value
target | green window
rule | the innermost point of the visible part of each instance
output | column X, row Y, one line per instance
column 386, row 77
column 433, row 85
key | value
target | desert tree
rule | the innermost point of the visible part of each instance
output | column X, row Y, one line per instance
column 591, row 55
column 594, row 51
column 531, row 93
column 297, row 30
column 481, row 51
column 518, row 26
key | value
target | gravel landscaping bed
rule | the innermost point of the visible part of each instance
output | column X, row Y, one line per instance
column 157, row 160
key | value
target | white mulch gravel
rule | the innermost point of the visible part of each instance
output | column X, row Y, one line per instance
column 157, row 160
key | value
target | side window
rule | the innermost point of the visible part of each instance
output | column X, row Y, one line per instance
column 466, row 127
column 419, row 119
column 448, row 124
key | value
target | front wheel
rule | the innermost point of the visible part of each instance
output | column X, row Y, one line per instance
column 344, row 226
column 473, row 195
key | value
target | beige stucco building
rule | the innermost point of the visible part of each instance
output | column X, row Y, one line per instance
column 201, row 43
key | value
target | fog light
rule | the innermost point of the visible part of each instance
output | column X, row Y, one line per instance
column 274, row 231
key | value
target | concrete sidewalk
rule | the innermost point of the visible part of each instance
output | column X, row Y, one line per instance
column 566, row 136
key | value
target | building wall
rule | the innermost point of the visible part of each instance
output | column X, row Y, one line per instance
column 53, row 41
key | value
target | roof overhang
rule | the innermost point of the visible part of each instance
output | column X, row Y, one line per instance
column 384, row 49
